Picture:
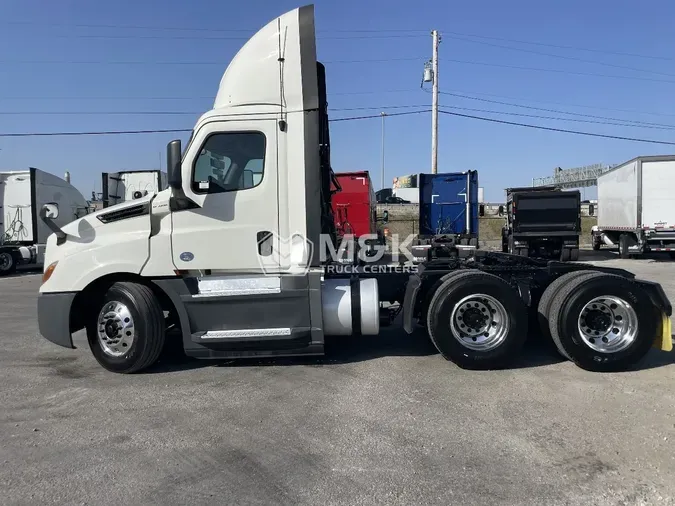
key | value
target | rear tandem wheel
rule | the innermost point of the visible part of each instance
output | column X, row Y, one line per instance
column 602, row 322
column 477, row 320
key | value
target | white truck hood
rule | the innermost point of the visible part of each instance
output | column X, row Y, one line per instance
column 126, row 221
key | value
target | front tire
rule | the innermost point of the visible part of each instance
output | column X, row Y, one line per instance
column 477, row 321
column 603, row 322
column 127, row 333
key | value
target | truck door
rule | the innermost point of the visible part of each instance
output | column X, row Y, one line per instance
column 230, row 172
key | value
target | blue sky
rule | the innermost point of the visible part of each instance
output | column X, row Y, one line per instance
column 40, row 40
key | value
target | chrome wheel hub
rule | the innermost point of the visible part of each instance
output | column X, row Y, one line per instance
column 115, row 329
column 479, row 322
column 608, row 324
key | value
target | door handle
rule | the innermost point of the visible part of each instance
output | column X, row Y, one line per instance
column 265, row 240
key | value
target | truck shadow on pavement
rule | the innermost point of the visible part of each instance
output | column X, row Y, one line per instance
column 351, row 349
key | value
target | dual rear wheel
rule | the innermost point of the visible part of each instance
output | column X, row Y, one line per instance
column 601, row 322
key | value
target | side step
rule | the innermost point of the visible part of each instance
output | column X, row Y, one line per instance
column 264, row 342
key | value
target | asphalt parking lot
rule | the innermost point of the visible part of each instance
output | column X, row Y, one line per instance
column 381, row 420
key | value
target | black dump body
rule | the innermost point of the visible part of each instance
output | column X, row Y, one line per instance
column 546, row 213
column 542, row 221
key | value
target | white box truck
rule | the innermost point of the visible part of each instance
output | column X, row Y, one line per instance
column 227, row 266
column 636, row 207
column 23, row 193
column 118, row 187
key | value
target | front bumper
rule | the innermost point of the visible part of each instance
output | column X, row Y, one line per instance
column 54, row 317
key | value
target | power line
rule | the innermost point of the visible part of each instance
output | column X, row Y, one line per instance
column 558, row 46
column 380, row 116
column 631, row 111
column 559, row 71
column 202, row 38
column 131, row 62
column 552, row 129
column 400, row 31
column 102, row 132
column 125, row 132
column 577, row 120
column 551, row 55
column 187, row 29
column 212, row 97
column 179, row 113
column 637, row 122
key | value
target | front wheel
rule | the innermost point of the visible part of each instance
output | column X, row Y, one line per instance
column 127, row 333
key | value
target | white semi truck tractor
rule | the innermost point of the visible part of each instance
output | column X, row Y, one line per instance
column 23, row 194
column 230, row 254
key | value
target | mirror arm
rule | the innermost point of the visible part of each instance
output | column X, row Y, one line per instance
column 60, row 234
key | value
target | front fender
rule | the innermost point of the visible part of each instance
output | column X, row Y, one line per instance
column 117, row 247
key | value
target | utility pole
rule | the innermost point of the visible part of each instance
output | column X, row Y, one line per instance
column 434, row 103
column 383, row 114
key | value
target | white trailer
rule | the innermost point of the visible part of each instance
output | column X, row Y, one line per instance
column 636, row 207
column 118, row 187
column 22, row 194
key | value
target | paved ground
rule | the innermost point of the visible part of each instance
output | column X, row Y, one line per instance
column 382, row 420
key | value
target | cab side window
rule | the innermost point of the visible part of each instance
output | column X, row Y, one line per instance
column 229, row 161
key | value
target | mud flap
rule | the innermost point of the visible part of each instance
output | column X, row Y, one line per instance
column 664, row 341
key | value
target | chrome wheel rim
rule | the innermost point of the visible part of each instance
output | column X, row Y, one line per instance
column 115, row 329
column 479, row 322
column 608, row 324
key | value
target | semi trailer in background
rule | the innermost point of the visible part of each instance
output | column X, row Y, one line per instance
column 118, row 187
column 355, row 206
column 543, row 222
column 448, row 211
column 23, row 193
column 636, row 207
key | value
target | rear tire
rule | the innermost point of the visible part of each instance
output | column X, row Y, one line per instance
column 544, row 306
column 468, row 303
column 596, row 243
column 127, row 333
column 565, row 255
column 7, row 263
column 623, row 246
column 574, row 255
column 603, row 322
column 473, row 242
